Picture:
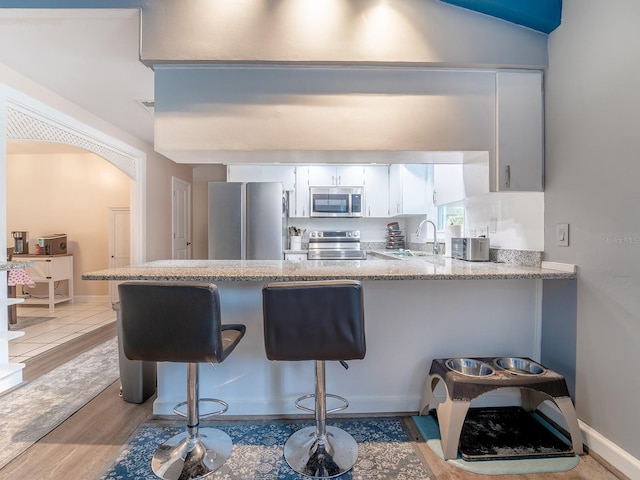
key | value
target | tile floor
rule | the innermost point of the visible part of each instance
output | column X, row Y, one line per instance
column 70, row 320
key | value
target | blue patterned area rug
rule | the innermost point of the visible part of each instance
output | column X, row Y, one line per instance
column 385, row 451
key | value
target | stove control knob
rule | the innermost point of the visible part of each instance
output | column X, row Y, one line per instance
column 313, row 234
column 348, row 234
column 319, row 234
column 356, row 233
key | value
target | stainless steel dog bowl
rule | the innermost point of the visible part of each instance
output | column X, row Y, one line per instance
column 520, row 366
column 470, row 367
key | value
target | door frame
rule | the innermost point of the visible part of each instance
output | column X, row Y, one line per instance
column 175, row 181
column 113, row 212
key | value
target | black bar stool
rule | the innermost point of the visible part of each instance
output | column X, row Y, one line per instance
column 316, row 320
column 180, row 322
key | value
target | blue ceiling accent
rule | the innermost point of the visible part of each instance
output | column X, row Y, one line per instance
column 541, row 15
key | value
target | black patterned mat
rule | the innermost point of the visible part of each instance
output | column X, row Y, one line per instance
column 508, row 432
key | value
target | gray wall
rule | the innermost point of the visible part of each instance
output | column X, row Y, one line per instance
column 592, row 172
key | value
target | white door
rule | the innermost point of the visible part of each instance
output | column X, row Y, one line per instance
column 119, row 244
column 181, row 219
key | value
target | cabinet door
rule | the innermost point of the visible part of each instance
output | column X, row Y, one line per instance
column 263, row 173
column 336, row 175
column 40, row 270
column 322, row 175
column 301, row 203
column 395, row 189
column 416, row 196
column 376, row 191
column 448, row 184
column 519, row 152
column 350, row 175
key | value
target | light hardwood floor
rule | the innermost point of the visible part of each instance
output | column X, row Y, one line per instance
column 86, row 444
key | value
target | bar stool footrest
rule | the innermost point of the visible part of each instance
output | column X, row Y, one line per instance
column 344, row 401
column 225, row 407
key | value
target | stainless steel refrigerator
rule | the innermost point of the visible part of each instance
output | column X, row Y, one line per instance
column 246, row 221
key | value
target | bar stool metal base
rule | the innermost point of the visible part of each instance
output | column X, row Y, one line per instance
column 308, row 456
column 184, row 457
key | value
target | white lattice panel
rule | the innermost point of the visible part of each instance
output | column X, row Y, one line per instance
column 22, row 126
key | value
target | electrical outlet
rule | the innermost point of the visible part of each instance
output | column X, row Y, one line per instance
column 493, row 225
column 483, row 231
column 562, row 235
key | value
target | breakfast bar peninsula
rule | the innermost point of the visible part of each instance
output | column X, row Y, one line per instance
column 416, row 310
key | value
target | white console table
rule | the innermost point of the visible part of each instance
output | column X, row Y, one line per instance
column 49, row 269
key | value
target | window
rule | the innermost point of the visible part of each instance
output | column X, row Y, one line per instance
column 450, row 214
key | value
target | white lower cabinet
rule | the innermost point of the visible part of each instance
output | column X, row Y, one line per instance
column 52, row 270
column 295, row 257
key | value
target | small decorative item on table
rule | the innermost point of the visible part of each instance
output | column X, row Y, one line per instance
column 295, row 238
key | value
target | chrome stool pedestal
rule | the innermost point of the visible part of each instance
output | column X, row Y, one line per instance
column 196, row 452
column 321, row 451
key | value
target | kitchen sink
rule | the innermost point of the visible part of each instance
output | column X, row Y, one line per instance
column 403, row 254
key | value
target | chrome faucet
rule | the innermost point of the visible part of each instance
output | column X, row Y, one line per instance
column 436, row 245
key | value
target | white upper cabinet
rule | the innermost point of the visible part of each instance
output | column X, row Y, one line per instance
column 409, row 192
column 376, row 191
column 448, row 184
column 520, row 131
column 336, row 175
column 263, row 173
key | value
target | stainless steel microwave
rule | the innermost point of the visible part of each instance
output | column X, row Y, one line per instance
column 336, row 201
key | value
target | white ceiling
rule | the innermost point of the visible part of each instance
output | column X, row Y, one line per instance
column 90, row 57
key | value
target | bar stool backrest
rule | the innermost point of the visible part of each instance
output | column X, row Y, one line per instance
column 314, row 320
column 171, row 322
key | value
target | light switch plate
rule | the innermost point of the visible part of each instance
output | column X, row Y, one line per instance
column 562, row 235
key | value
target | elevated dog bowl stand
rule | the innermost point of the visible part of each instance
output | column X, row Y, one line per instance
column 462, row 389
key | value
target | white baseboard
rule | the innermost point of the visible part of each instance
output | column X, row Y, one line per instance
column 611, row 453
column 626, row 463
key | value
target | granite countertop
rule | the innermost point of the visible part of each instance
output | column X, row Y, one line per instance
column 374, row 268
column 4, row 266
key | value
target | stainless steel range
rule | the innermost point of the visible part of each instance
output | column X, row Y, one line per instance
column 335, row 245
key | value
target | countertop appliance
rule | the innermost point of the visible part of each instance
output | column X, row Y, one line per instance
column 20, row 242
column 470, row 249
column 335, row 245
column 246, row 221
column 55, row 244
column 336, row 201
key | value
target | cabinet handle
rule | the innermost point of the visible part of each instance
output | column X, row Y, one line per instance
column 507, row 174
column 369, row 211
column 339, row 179
column 435, row 198
column 333, row 180
column 397, row 208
